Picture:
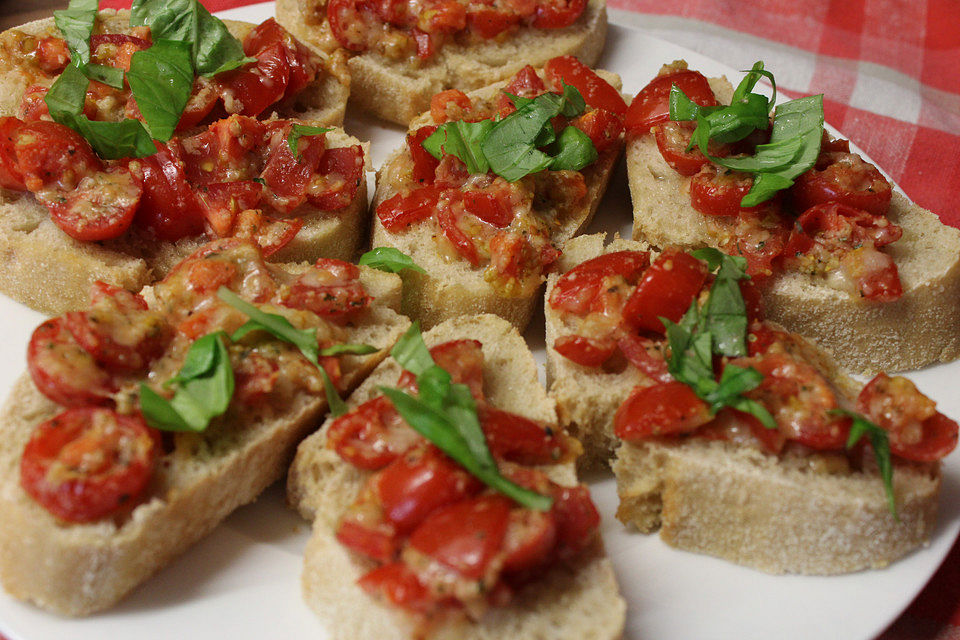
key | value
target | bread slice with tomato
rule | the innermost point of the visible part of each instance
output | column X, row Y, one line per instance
column 104, row 481
column 127, row 221
column 772, row 458
column 401, row 54
column 883, row 296
column 573, row 594
column 484, row 241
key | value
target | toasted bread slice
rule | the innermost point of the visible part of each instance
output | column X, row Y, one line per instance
column 33, row 244
column 787, row 514
column 920, row 328
column 451, row 288
column 400, row 90
column 578, row 600
column 78, row 569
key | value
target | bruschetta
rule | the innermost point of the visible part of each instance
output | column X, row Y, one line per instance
column 115, row 183
column 732, row 436
column 489, row 183
column 145, row 420
column 843, row 258
column 379, row 569
column 402, row 53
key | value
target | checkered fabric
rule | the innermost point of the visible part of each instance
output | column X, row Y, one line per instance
column 889, row 69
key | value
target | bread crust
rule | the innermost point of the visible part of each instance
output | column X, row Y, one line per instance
column 731, row 501
column 78, row 569
column 920, row 328
column 31, row 243
column 580, row 600
column 451, row 288
column 399, row 91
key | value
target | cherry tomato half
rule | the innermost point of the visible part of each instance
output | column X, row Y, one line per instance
column 652, row 105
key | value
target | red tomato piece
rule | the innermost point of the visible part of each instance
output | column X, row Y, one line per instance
column 917, row 430
column 530, row 539
column 667, row 408
column 844, row 178
column 121, row 48
column 556, row 14
column 249, row 90
column 652, row 105
column 32, row 106
column 52, row 157
column 11, row 177
column 223, row 201
column 449, row 105
column 526, row 83
column 52, row 55
column 88, row 463
column 597, row 92
column 603, row 127
column 424, row 164
column 371, row 436
column 302, row 62
column 62, row 370
column 672, row 141
column 398, row 212
column 464, row 536
column 287, row 177
column 490, row 205
column 203, row 98
column 426, row 46
column 399, row 586
column 338, row 178
column 489, row 21
column 576, row 517
column 716, row 191
column 666, row 290
column 577, row 290
column 367, row 535
column 330, row 289
column 421, row 481
column 462, row 359
column 352, row 23
column 761, row 237
column 450, row 224
column 102, row 207
column 518, row 439
column 584, row 350
column 256, row 377
column 645, row 355
column 168, row 207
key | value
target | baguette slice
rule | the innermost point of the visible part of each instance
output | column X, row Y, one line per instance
column 779, row 515
column 920, row 328
column 33, row 244
column 79, row 569
column 451, row 288
column 577, row 601
column 399, row 90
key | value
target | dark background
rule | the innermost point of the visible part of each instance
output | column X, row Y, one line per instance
column 14, row 12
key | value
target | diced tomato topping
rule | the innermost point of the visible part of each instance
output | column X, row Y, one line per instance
column 597, row 92
column 666, row 290
column 844, row 178
column 652, row 105
column 302, row 63
column 33, row 106
column 603, row 127
column 530, row 539
column 716, row 191
column 52, row 158
column 761, row 236
column 577, row 290
column 399, row 586
column 917, row 430
column 371, row 436
column 256, row 377
column 449, row 221
column 424, row 164
column 52, row 55
column 249, row 90
column 449, row 105
column 64, row 371
column 517, row 439
column 577, row 519
column 375, row 539
column 464, row 536
column 11, row 177
column 557, row 14
column 646, row 356
column 584, row 350
column 338, row 178
column 101, row 207
column 223, row 201
column 168, row 207
column 287, row 176
column 672, row 141
column 462, row 359
column 331, row 289
column 666, row 408
column 489, row 21
column 400, row 211
column 88, row 462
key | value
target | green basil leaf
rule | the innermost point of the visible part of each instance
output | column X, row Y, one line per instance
column 111, row 76
column 575, row 150
column 389, row 259
column 734, row 381
column 66, row 96
column 440, row 429
column 463, row 140
column 768, row 157
column 231, row 65
column 411, row 351
column 205, row 388
column 434, row 386
column 349, row 349
column 754, row 408
column 297, row 131
column 725, row 313
column 510, row 145
column 880, row 443
column 518, row 101
column 573, row 103
column 213, row 48
column 280, row 328
column 750, row 81
column 76, row 24
column 161, row 79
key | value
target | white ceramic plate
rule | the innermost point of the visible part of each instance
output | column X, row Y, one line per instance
column 243, row 582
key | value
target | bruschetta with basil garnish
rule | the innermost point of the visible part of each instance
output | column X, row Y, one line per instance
column 489, row 183
column 732, row 436
column 402, row 53
column 841, row 256
column 145, row 420
column 107, row 174
column 445, row 503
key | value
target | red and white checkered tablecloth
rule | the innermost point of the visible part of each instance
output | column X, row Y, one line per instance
column 889, row 70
